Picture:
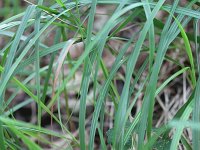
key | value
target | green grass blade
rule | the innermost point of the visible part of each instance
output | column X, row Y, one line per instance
column 161, row 87
column 86, row 78
column 18, row 60
column 103, row 144
column 196, row 116
column 37, row 62
column 196, row 35
column 118, row 62
column 188, row 51
column 121, row 112
column 15, row 44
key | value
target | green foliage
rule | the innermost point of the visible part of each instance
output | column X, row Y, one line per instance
column 50, row 31
column 162, row 144
column 110, row 136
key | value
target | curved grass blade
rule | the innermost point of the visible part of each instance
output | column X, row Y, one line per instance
column 161, row 87
column 28, row 92
column 37, row 62
column 27, row 48
column 86, row 77
column 15, row 44
column 188, row 51
column 121, row 112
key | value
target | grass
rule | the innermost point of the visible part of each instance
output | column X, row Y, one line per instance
column 48, row 32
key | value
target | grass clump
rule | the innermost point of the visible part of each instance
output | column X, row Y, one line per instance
column 100, row 74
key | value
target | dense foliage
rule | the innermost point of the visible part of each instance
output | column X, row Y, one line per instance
column 100, row 74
